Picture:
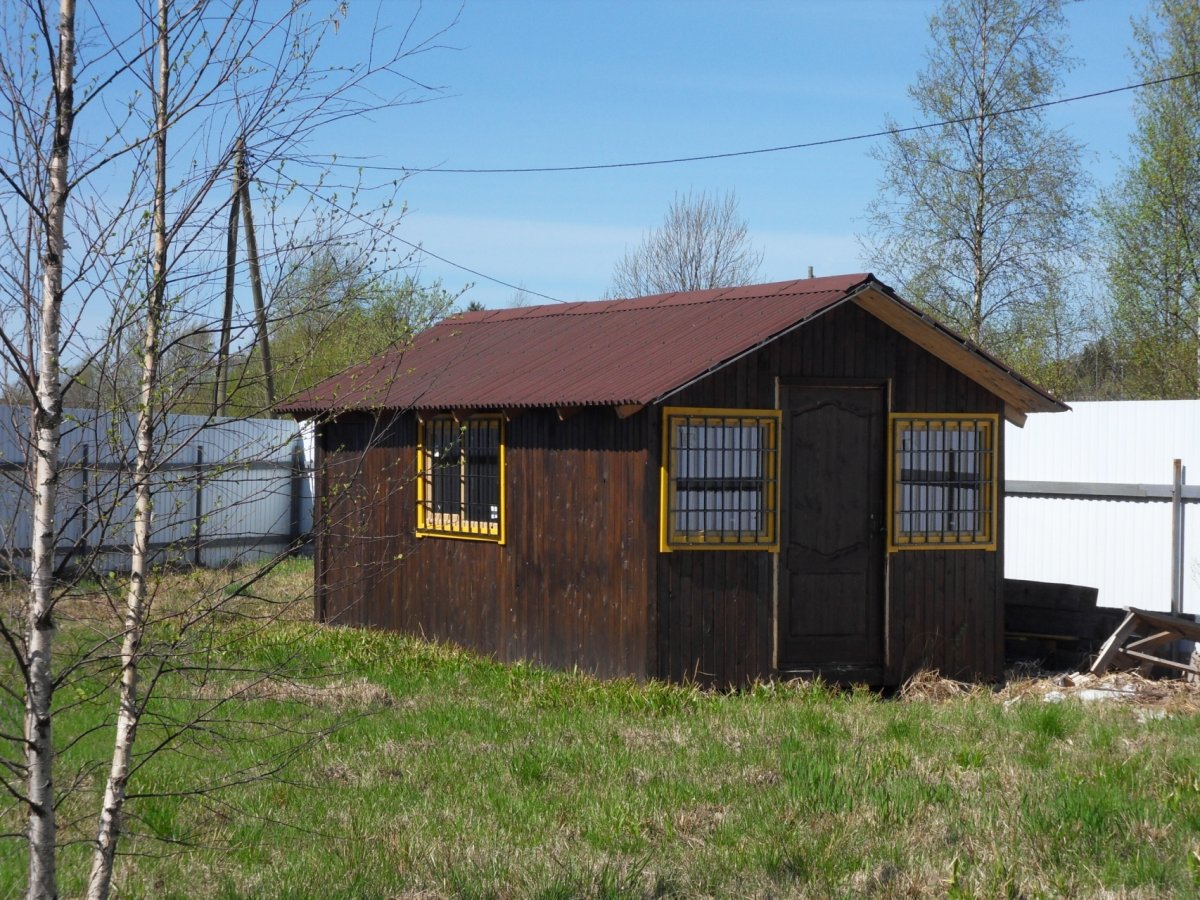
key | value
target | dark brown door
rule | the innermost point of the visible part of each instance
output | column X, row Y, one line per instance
column 831, row 559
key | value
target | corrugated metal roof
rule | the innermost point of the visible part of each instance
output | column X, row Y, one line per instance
column 600, row 353
column 576, row 354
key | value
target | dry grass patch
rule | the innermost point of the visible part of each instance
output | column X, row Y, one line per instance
column 929, row 686
column 697, row 822
column 651, row 738
column 338, row 695
column 1170, row 695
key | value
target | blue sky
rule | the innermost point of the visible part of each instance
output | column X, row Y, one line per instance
column 564, row 83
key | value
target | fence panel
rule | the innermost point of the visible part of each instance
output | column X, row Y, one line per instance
column 225, row 491
column 1122, row 546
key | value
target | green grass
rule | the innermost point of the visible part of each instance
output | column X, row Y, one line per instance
column 450, row 775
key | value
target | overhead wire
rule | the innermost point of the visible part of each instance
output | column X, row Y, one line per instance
column 318, row 196
column 805, row 145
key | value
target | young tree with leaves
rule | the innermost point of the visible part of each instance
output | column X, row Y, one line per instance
column 980, row 219
column 332, row 311
column 128, row 701
column 120, row 158
column 1151, row 219
column 36, row 662
column 702, row 243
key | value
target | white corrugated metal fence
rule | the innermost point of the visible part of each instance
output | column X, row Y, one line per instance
column 1122, row 547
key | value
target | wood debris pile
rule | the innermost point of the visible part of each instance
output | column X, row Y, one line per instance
column 1172, row 695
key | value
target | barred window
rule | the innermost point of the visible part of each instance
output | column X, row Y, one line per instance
column 720, row 479
column 943, row 476
column 460, row 478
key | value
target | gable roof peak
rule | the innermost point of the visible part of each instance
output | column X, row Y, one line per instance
column 630, row 351
column 795, row 286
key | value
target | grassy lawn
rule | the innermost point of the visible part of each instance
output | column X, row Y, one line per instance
column 450, row 775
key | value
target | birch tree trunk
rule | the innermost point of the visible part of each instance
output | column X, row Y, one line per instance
column 129, row 708
column 47, row 418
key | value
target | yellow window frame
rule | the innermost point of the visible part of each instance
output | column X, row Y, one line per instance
column 457, row 525
column 672, row 538
column 984, row 536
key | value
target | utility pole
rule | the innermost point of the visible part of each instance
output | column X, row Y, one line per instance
column 220, row 389
column 260, row 311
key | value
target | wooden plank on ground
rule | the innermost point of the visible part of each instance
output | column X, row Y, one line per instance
column 1170, row 628
column 1111, row 647
column 1154, row 640
column 1158, row 661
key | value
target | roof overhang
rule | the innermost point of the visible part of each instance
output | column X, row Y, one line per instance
column 1020, row 396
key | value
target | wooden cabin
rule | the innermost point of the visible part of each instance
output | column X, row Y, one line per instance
column 790, row 479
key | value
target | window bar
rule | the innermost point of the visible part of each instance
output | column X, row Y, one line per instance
column 763, row 498
column 986, row 477
column 931, row 457
column 470, row 477
column 731, row 469
column 952, row 522
column 731, row 439
column 706, row 498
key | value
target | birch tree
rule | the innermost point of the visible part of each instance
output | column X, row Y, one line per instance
column 702, row 243
column 128, row 715
column 129, row 230
column 980, row 220
column 47, row 418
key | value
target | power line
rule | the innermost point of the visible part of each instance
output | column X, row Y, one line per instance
column 421, row 249
column 490, row 278
column 761, row 150
column 701, row 158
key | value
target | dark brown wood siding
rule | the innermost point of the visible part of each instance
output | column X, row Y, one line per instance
column 715, row 615
column 580, row 581
column 571, row 585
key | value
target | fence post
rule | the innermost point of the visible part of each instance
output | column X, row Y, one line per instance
column 296, row 486
column 197, row 545
column 85, row 501
column 1177, row 539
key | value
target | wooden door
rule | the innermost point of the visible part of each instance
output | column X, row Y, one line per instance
column 832, row 555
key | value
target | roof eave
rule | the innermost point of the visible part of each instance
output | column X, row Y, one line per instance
column 1020, row 395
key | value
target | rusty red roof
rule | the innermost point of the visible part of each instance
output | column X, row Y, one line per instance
column 599, row 353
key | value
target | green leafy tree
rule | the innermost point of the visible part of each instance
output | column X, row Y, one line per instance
column 1150, row 219
column 333, row 311
column 980, row 220
column 1095, row 372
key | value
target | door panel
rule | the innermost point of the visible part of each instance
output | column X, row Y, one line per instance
column 831, row 565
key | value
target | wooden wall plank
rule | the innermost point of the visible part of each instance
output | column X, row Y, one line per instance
column 569, row 587
column 942, row 603
column 581, row 581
